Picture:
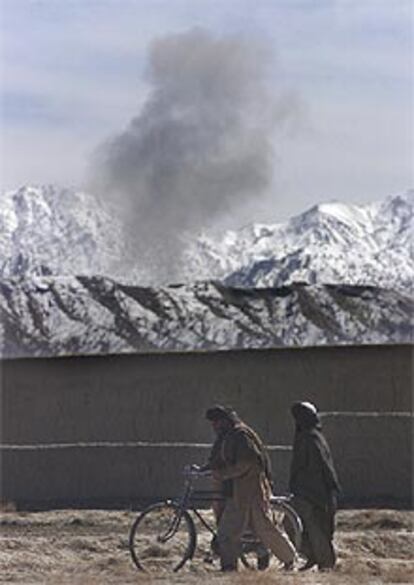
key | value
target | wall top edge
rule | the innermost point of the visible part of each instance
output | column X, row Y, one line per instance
column 169, row 353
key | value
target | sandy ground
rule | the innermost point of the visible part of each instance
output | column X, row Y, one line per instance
column 91, row 547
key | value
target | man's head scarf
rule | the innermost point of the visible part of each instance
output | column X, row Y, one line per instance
column 306, row 415
column 219, row 412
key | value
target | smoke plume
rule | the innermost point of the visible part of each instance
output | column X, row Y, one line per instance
column 201, row 146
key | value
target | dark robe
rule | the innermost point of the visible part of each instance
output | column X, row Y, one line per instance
column 314, row 484
column 312, row 473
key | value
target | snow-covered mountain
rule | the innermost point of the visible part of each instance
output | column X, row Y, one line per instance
column 46, row 230
column 49, row 316
column 332, row 275
column 330, row 243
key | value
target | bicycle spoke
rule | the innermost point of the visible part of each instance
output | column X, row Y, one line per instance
column 162, row 538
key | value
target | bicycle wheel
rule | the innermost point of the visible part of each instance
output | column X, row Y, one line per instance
column 162, row 538
column 254, row 554
column 287, row 519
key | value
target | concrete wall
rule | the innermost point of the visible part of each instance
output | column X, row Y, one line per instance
column 108, row 430
column 374, row 456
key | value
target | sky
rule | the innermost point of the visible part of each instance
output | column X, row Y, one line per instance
column 74, row 73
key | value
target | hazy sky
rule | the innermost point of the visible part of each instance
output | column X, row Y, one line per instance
column 73, row 73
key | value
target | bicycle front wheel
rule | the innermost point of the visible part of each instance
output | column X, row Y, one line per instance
column 162, row 538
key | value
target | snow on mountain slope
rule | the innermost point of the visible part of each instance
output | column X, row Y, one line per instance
column 46, row 230
column 330, row 243
column 334, row 274
column 48, row 316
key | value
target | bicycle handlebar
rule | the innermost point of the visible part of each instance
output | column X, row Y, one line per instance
column 281, row 498
column 193, row 471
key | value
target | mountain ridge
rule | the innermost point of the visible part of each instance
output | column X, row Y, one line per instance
column 336, row 274
column 46, row 230
column 48, row 316
column 365, row 245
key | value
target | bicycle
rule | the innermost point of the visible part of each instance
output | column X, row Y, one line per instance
column 163, row 537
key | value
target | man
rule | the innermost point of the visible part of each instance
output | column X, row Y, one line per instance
column 239, row 457
column 314, row 484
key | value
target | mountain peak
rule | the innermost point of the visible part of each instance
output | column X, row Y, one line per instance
column 335, row 242
column 49, row 229
column 57, row 230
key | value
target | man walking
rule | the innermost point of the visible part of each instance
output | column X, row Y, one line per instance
column 314, row 484
column 240, row 458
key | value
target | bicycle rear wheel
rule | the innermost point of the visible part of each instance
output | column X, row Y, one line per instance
column 254, row 554
column 287, row 519
column 162, row 538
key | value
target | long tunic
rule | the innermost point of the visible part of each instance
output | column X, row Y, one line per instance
column 314, row 483
column 243, row 461
column 312, row 474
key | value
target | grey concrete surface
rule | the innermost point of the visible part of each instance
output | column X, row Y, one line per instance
column 163, row 396
column 373, row 456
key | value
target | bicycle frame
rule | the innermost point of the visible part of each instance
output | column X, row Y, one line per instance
column 189, row 498
column 187, row 501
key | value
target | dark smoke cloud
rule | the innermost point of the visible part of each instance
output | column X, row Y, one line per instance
column 200, row 147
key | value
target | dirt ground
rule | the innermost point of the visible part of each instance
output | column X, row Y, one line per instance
column 90, row 547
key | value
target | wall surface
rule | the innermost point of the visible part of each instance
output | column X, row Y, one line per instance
column 118, row 429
